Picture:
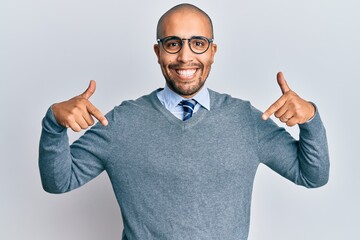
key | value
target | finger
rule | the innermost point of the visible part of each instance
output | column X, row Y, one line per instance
column 273, row 108
column 281, row 111
column 89, row 119
column 282, row 83
column 82, row 123
column 97, row 114
column 90, row 90
column 286, row 117
column 74, row 126
column 291, row 122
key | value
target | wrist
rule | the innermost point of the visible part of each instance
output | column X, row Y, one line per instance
column 313, row 111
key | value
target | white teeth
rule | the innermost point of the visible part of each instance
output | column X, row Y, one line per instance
column 187, row 72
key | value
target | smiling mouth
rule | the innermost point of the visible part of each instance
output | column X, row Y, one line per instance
column 186, row 72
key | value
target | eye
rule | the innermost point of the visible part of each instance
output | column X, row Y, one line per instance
column 172, row 43
column 199, row 43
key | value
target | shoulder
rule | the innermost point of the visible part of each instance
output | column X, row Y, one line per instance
column 232, row 107
column 223, row 100
column 129, row 109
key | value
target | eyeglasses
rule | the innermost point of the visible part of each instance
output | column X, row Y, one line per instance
column 197, row 44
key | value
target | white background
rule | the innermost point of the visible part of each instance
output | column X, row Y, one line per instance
column 49, row 50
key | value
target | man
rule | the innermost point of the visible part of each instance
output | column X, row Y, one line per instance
column 182, row 160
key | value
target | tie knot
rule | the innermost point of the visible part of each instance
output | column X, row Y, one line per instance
column 188, row 106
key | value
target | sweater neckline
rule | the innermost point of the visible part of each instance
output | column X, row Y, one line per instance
column 195, row 119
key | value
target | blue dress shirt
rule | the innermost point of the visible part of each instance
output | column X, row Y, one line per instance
column 170, row 100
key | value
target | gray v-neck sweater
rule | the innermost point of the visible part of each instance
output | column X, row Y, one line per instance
column 182, row 180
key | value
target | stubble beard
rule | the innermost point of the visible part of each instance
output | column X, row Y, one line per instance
column 184, row 90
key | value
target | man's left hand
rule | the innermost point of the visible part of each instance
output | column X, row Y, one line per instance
column 289, row 108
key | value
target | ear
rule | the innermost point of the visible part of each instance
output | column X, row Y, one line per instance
column 157, row 52
column 213, row 51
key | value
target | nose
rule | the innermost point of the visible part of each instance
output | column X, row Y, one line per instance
column 185, row 54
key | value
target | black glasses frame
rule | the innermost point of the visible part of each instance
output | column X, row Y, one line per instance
column 162, row 40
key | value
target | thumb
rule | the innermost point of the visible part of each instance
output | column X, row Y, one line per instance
column 90, row 90
column 282, row 83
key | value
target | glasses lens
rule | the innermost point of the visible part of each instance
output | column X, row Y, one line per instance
column 172, row 44
column 199, row 44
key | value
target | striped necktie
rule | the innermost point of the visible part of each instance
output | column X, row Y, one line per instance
column 188, row 106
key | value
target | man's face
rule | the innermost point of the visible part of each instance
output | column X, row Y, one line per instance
column 185, row 72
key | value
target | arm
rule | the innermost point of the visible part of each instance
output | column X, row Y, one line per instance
column 305, row 162
column 64, row 167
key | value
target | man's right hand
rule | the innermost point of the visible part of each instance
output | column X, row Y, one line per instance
column 77, row 113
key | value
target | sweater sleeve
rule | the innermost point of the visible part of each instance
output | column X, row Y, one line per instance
column 304, row 161
column 64, row 167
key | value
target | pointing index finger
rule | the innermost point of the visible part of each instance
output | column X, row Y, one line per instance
column 273, row 108
column 97, row 114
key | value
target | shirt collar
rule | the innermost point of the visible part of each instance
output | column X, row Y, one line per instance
column 172, row 99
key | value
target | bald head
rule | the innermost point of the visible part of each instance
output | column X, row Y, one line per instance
column 185, row 7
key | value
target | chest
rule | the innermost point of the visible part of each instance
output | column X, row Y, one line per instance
column 202, row 158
